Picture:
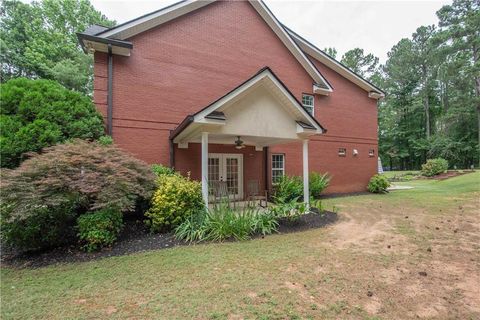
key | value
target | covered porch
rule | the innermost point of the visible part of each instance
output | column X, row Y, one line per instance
column 228, row 140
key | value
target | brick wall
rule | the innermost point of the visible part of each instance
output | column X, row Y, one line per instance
column 180, row 67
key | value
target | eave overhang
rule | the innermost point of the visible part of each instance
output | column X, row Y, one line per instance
column 91, row 43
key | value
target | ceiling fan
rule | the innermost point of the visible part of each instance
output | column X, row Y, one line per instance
column 239, row 143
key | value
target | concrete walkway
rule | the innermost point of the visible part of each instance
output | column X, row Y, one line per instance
column 394, row 187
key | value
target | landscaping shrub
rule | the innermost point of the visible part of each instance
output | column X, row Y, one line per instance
column 289, row 210
column 288, row 188
column 175, row 199
column 105, row 140
column 40, row 113
column 223, row 222
column 317, row 183
column 378, row 184
column 434, row 167
column 43, row 196
column 161, row 170
column 100, row 228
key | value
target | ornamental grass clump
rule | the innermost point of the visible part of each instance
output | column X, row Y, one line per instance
column 175, row 199
column 318, row 183
column 42, row 198
column 222, row 223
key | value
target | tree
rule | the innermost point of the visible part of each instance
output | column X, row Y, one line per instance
column 424, row 47
column 332, row 52
column 38, row 113
column 38, row 40
column 460, row 32
column 363, row 64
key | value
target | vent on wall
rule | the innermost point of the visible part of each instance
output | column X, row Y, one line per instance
column 342, row 152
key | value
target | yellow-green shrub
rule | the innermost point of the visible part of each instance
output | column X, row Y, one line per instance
column 175, row 199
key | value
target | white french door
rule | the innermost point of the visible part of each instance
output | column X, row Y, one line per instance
column 229, row 168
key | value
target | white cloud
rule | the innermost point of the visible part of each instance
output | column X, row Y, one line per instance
column 374, row 26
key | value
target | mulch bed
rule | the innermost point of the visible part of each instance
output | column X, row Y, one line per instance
column 447, row 175
column 136, row 238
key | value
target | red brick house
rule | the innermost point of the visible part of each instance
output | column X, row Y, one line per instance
column 223, row 90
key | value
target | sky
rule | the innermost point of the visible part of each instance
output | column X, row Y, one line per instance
column 375, row 26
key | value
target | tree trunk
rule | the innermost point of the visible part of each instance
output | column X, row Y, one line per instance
column 426, row 105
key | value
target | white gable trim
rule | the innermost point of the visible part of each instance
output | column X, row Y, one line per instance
column 266, row 74
column 156, row 18
column 273, row 23
column 151, row 20
column 336, row 66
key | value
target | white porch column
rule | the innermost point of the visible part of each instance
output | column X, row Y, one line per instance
column 205, row 167
column 306, row 192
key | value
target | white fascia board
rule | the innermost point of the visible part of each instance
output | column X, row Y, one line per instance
column 159, row 17
column 322, row 91
column 376, row 95
column 333, row 64
column 280, row 31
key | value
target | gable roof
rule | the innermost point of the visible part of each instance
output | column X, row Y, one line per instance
column 141, row 24
column 335, row 65
column 265, row 75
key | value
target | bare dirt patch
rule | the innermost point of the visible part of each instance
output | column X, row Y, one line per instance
column 431, row 261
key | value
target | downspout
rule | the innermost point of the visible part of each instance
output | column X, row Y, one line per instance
column 109, row 92
column 172, row 152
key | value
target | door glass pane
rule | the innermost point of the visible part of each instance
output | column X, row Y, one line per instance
column 232, row 175
column 213, row 172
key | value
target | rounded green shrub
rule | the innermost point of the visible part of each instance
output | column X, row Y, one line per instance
column 42, row 198
column 100, row 228
column 40, row 113
column 434, row 166
column 175, row 199
column 378, row 184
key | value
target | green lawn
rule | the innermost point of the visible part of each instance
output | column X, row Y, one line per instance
column 364, row 267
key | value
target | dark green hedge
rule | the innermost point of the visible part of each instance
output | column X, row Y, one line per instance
column 38, row 113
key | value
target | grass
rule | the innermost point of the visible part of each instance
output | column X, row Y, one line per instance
column 307, row 275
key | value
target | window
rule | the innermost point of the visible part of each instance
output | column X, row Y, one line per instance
column 342, row 152
column 278, row 167
column 371, row 152
column 307, row 101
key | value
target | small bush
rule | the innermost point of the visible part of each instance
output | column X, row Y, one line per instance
column 378, row 184
column 289, row 210
column 100, row 228
column 288, row 188
column 317, row 183
column 175, row 199
column 105, row 140
column 222, row 222
column 42, row 198
column 161, row 170
column 434, row 167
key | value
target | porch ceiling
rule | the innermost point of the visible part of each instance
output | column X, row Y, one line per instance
column 261, row 110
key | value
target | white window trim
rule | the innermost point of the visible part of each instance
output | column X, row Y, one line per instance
column 312, row 106
column 282, row 169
